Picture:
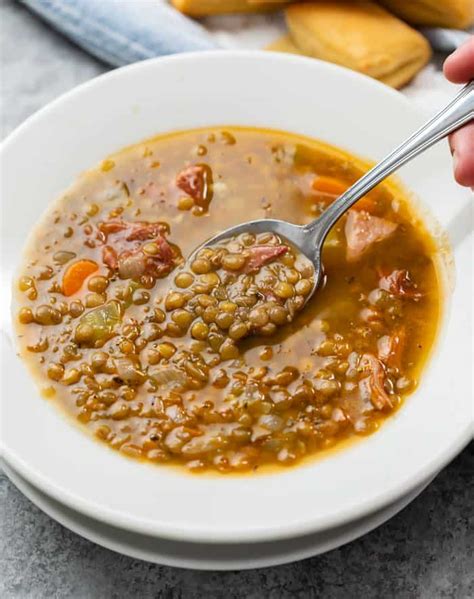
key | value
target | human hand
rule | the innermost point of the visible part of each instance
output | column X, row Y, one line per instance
column 459, row 68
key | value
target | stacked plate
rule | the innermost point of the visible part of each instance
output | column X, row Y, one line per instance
column 222, row 522
column 206, row 556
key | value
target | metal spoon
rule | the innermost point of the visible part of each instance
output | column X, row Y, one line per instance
column 309, row 239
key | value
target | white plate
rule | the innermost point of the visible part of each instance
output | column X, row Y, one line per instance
column 201, row 556
column 49, row 150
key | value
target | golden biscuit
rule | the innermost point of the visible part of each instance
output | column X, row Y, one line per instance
column 435, row 13
column 202, row 8
column 284, row 44
column 359, row 35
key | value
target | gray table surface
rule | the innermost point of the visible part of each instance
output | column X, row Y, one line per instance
column 426, row 551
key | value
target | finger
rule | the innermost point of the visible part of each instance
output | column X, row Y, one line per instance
column 459, row 66
column 462, row 145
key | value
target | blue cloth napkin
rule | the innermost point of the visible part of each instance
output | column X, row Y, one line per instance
column 446, row 40
column 120, row 32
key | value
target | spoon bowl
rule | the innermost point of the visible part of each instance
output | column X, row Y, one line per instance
column 299, row 236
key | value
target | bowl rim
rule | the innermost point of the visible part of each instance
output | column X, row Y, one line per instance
column 309, row 524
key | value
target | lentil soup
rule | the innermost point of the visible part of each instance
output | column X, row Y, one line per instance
column 212, row 363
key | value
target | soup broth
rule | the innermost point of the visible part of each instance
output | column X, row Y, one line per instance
column 217, row 364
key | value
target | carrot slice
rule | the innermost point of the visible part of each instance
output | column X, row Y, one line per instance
column 330, row 185
column 76, row 274
column 334, row 187
column 365, row 204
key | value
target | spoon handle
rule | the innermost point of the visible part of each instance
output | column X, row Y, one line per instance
column 458, row 112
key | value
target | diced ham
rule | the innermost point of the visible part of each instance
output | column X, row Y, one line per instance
column 109, row 257
column 144, row 231
column 196, row 181
column 373, row 383
column 110, row 227
column 160, row 264
column 263, row 254
column 165, row 253
column 133, row 264
column 125, row 250
column 399, row 283
column 362, row 230
column 137, row 231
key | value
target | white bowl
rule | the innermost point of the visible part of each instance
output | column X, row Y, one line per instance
column 73, row 133
column 210, row 556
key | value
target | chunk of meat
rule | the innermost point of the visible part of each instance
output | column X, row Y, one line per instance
column 400, row 284
column 110, row 227
column 363, row 230
column 137, row 231
column 143, row 231
column 390, row 348
column 132, row 265
column 196, row 181
column 109, row 257
column 373, row 383
column 259, row 255
column 127, row 253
